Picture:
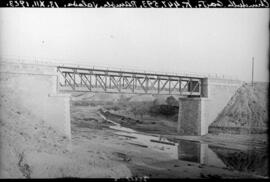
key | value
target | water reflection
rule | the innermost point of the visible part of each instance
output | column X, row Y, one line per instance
column 153, row 142
column 198, row 152
column 251, row 161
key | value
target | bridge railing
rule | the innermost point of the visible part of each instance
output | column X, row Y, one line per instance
column 59, row 62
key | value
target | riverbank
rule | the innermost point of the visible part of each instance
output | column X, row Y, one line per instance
column 253, row 153
column 251, row 140
column 31, row 149
column 182, row 160
column 147, row 125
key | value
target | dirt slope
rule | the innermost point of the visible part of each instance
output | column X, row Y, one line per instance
column 29, row 148
column 246, row 112
column 21, row 134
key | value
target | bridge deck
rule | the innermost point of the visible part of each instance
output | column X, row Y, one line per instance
column 113, row 81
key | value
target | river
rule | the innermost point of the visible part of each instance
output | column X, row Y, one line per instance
column 249, row 161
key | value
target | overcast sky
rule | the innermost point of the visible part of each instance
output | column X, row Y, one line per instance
column 219, row 41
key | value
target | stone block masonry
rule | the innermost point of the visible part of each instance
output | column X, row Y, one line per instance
column 196, row 114
column 192, row 116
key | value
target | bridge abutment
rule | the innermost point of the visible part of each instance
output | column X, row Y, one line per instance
column 32, row 88
column 196, row 114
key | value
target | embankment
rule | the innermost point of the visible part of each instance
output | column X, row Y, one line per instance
column 245, row 113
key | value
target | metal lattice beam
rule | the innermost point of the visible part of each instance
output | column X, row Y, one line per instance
column 111, row 81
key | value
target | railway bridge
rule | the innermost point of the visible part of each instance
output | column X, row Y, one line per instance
column 118, row 81
column 44, row 89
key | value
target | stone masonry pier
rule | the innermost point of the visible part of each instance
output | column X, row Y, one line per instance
column 196, row 114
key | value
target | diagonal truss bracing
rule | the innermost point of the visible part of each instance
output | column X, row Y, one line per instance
column 111, row 81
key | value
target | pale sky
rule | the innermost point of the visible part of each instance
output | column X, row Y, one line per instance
column 220, row 41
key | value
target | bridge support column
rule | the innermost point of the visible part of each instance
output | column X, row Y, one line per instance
column 192, row 116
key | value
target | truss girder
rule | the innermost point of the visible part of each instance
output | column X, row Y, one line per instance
column 97, row 80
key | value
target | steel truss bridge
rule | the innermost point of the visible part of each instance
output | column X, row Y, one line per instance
column 113, row 81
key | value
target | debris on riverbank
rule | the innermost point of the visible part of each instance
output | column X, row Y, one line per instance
column 146, row 113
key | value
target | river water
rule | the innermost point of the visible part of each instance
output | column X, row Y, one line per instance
column 252, row 160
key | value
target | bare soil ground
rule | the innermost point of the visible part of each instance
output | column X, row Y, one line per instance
column 246, row 112
column 30, row 149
